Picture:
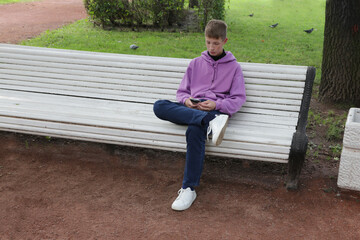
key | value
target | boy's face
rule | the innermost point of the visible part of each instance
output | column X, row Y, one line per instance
column 215, row 46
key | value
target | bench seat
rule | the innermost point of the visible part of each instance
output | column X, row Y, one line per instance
column 108, row 98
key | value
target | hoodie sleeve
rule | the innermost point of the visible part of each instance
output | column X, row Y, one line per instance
column 184, row 91
column 236, row 97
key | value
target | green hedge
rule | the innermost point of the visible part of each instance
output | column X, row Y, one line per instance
column 154, row 13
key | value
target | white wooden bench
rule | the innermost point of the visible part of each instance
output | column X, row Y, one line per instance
column 109, row 98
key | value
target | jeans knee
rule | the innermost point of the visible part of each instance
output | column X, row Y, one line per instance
column 158, row 107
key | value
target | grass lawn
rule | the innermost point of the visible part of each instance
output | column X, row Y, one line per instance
column 14, row 1
column 250, row 38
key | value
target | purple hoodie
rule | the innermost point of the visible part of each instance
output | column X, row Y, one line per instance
column 221, row 81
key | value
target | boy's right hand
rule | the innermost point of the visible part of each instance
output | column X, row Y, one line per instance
column 190, row 104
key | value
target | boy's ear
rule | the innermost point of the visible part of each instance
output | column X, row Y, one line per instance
column 225, row 40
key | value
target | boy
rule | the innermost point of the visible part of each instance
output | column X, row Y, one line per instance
column 212, row 89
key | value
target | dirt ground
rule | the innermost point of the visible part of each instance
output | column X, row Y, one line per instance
column 22, row 21
column 65, row 189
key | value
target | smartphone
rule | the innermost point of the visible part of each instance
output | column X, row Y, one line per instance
column 195, row 100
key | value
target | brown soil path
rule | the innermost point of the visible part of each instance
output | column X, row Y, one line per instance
column 21, row 21
column 62, row 189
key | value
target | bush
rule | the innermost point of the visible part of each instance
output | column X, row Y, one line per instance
column 167, row 12
column 156, row 13
column 210, row 9
column 159, row 13
column 107, row 12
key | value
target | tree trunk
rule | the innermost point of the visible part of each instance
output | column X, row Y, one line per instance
column 340, row 80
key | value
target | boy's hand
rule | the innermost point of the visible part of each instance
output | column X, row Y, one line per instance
column 190, row 104
column 208, row 105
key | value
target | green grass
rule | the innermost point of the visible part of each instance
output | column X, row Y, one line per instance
column 14, row 1
column 250, row 38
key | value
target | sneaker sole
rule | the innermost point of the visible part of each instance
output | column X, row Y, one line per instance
column 221, row 134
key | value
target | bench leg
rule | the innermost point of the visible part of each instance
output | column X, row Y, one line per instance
column 296, row 159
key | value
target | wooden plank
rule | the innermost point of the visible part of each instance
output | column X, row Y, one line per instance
column 171, row 96
column 18, row 98
column 79, row 116
column 112, row 83
column 75, row 54
column 43, row 60
column 274, row 88
column 105, row 94
column 259, row 93
column 129, row 80
column 110, row 94
column 156, row 142
column 140, row 135
column 283, row 159
column 133, row 90
column 270, row 100
column 152, row 124
column 264, row 117
column 275, row 76
column 136, row 58
column 270, row 82
column 89, row 87
column 76, row 69
column 136, row 80
column 247, row 117
column 112, row 120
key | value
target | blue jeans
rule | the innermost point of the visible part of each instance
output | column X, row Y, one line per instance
column 198, row 122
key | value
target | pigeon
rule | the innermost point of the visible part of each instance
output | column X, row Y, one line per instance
column 251, row 15
column 274, row 25
column 133, row 46
column 309, row 31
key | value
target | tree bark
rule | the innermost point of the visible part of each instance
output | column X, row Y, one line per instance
column 340, row 80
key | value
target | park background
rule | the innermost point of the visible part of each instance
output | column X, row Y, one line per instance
column 255, row 200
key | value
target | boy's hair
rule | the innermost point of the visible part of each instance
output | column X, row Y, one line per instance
column 216, row 29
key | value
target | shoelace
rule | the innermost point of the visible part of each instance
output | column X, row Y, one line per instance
column 180, row 192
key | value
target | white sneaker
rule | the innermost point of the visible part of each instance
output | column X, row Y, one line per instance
column 218, row 126
column 184, row 200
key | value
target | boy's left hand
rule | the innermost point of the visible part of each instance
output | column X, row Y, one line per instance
column 207, row 105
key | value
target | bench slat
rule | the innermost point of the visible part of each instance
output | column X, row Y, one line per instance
column 258, row 67
column 18, row 97
column 84, row 131
column 71, row 62
column 144, row 129
column 243, row 118
column 245, row 109
column 84, row 70
column 170, row 95
column 252, row 90
column 144, row 135
column 93, row 55
column 112, row 119
column 128, row 79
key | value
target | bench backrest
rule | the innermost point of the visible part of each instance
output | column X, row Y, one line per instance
column 272, row 90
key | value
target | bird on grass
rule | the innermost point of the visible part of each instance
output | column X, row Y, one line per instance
column 251, row 15
column 133, row 46
column 309, row 30
column 274, row 25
